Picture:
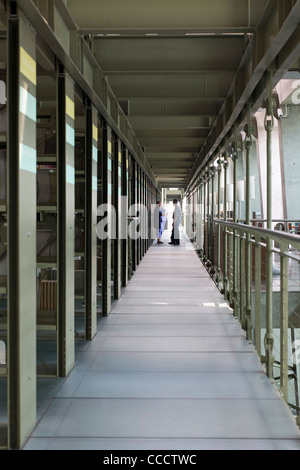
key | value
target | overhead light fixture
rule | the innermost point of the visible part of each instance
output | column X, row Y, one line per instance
column 197, row 34
column 151, row 34
column 2, row 92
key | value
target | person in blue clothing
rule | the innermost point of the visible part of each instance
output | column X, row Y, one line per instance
column 175, row 236
column 159, row 221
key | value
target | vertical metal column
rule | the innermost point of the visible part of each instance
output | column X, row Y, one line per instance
column 284, row 322
column 212, row 225
column 117, row 204
column 138, row 202
column 149, row 214
column 257, row 328
column 145, row 241
column 208, row 261
column 91, row 165
column 235, row 239
column 269, row 338
column 225, row 236
column 248, row 307
column 21, row 177
column 201, row 234
column 66, row 220
column 205, row 254
column 198, row 214
column 218, row 279
column 107, row 199
column 124, row 222
column 142, row 213
column 134, row 244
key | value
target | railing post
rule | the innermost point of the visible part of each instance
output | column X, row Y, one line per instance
column 241, row 279
column 257, row 329
column 248, row 307
column 199, row 231
column 204, row 258
column 201, row 234
column 212, row 225
column 218, row 279
column 225, row 236
column 284, row 321
column 269, row 338
column 208, row 259
column 235, row 241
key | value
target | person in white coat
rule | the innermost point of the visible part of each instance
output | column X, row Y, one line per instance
column 175, row 236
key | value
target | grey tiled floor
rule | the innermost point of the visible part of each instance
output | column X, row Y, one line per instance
column 170, row 368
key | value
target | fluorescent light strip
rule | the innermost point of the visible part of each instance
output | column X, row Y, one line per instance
column 198, row 34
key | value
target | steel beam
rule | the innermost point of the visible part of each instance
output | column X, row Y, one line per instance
column 167, row 18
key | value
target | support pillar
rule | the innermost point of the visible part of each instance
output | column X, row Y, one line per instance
column 107, row 199
column 91, row 165
column 200, row 240
column 125, row 206
column 134, row 189
column 208, row 260
column 269, row 338
column 117, row 204
column 139, row 240
column 21, row 208
column 205, row 254
column 66, row 220
column 225, row 236
column 219, row 170
column 284, row 322
column 248, row 308
column 212, row 225
column 236, row 306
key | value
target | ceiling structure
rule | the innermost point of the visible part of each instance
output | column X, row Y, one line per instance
column 171, row 65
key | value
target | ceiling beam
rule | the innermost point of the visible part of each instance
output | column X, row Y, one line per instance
column 145, row 133
column 275, row 31
column 168, row 15
column 171, row 122
column 159, row 54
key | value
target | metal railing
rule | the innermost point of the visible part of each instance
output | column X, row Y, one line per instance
column 258, row 271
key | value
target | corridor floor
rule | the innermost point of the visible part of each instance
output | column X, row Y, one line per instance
column 170, row 368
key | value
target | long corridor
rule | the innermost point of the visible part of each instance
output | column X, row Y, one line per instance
column 170, row 368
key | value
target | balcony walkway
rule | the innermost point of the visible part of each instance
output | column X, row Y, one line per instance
column 170, row 368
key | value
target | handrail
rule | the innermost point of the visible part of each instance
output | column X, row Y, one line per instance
column 276, row 235
column 244, row 277
column 285, row 221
